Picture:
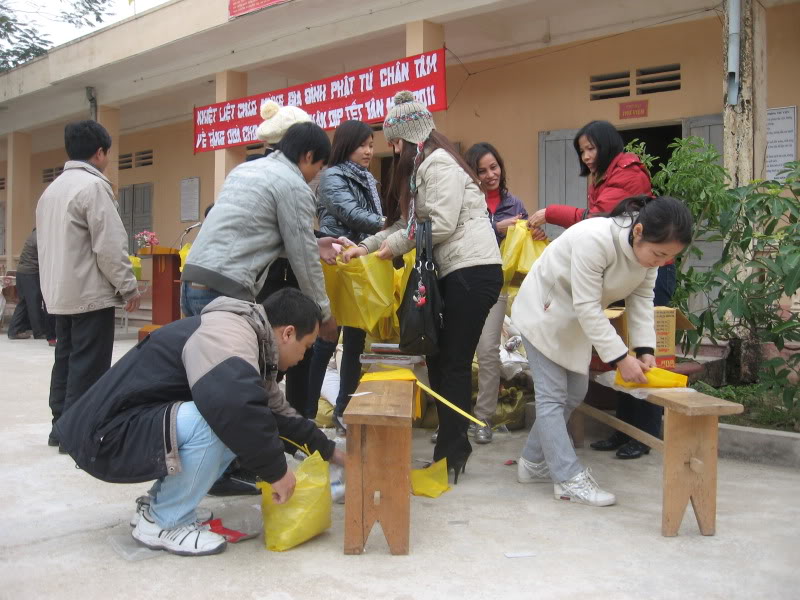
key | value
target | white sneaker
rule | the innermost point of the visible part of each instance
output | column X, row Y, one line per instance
column 186, row 540
column 531, row 472
column 583, row 489
column 143, row 503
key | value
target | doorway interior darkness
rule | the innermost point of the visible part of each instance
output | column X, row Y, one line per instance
column 656, row 140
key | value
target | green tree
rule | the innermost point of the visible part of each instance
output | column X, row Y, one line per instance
column 20, row 37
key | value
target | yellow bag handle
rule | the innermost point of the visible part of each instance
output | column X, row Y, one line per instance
column 304, row 447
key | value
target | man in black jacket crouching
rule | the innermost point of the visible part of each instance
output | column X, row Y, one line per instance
column 187, row 400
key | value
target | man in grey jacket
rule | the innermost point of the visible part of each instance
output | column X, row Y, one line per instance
column 265, row 208
column 83, row 265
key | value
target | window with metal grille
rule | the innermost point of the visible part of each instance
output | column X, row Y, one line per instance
column 49, row 175
column 143, row 158
column 2, row 183
column 610, row 85
column 125, row 161
column 664, row 78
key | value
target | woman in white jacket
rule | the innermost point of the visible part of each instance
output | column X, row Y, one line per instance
column 559, row 310
column 431, row 181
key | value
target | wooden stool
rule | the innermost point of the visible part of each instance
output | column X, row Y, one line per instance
column 379, row 464
column 691, row 431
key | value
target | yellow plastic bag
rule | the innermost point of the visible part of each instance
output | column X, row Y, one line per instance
column 430, row 482
column 306, row 514
column 136, row 263
column 183, row 253
column 361, row 292
column 519, row 251
column 656, row 378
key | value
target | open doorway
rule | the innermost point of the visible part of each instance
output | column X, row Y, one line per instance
column 656, row 140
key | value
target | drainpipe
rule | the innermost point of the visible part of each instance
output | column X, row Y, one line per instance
column 92, row 98
column 734, row 29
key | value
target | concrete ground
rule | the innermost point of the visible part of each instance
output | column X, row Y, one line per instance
column 61, row 527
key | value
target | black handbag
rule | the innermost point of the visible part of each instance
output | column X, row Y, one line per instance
column 420, row 312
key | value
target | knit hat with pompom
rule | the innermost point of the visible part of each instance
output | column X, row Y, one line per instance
column 408, row 120
column 277, row 120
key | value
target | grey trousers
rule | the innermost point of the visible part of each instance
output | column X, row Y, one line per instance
column 488, row 352
column 558, row 393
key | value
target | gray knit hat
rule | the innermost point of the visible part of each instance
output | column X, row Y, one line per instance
column 408, row 120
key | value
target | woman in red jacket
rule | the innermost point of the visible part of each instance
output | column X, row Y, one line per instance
column 614, row 175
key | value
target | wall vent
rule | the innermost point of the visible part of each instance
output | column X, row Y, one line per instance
column 143, row 158
column 125, row 161
column 652, row 80
column 49, row 175
column 2, row 183
column 610, row 85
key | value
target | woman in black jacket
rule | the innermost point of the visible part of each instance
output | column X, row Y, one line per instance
column 348, row 205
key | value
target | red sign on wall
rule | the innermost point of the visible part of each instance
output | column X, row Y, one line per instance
column 365, row 95
column 237, row 8
column 633, row 110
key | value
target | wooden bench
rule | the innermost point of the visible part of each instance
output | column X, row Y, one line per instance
column 690, row 453
column 379, row 464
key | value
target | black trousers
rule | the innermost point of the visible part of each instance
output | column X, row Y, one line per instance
column 31, row 312
column 83, row 355
column 641, row 413
column 468, row 294
column 281, row 276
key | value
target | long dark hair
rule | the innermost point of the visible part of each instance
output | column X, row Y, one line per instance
column 347, row 138
column 399, row 193
column 603, row 136
column 663, row 218
column 477, row 152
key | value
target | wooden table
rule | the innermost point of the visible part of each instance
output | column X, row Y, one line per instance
column 379, row 464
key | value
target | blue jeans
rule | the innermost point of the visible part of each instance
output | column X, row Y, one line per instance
column 203, row 460
column 194, row 300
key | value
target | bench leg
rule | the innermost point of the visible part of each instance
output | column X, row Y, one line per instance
column 354, row 535
column 690, row 471
column 378, row 486
column 390, row 477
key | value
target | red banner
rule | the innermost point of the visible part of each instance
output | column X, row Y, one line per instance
column 237, row 8
column 365, row 95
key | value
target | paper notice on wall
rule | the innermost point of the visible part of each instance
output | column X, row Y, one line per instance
column 190, row 199
column 781, row 139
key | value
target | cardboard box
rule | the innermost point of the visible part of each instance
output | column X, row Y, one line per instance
column 667, row 322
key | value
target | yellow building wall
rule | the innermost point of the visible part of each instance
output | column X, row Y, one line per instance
column 173, row 161
column 507, row 102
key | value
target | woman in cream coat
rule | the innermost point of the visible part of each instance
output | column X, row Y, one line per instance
column 559, row 310
column 446, row 192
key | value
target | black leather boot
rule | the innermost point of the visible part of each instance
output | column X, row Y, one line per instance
column 633, row 449
column 616, row 440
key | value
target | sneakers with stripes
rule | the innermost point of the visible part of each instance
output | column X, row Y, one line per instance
column 583, row 489
column 186, row 540
column 143, row 503
column 531, row 472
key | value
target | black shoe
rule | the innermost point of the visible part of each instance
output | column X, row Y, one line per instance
column 633, row 449
column 457, row 453
column 53, row 441
column 238, row 483
column 341, row 429
column 616, row 440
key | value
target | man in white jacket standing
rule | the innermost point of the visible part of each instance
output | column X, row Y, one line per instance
column 83, row 264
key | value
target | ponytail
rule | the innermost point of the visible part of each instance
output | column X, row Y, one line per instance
column 663, row 218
